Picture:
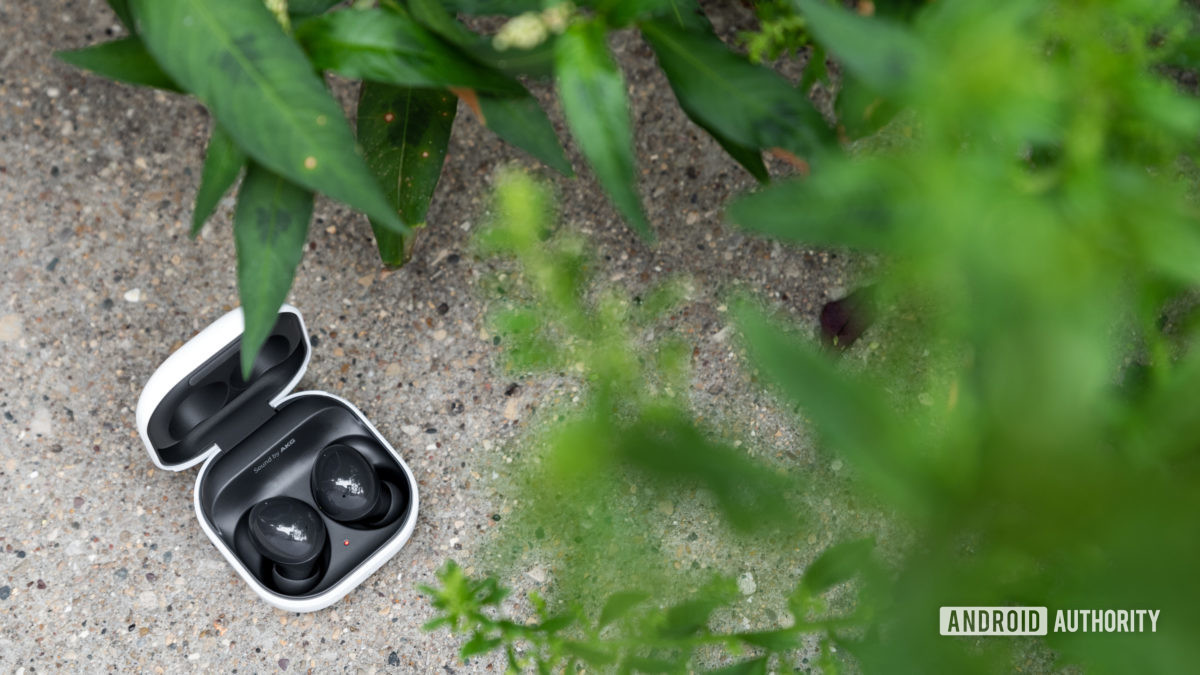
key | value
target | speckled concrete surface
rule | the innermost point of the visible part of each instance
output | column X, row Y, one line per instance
column 102, row 564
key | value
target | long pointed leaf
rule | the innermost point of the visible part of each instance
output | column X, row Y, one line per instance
column 121, row 9
column 386, row 46
column 882, row 54
column 518, row 119
column 404, row 133
column 506, row 7
column 235, row 58
column 306, row 8
column 535, row 62
column 125, row 60
column 619, row 13
column 593, row 97
column 816, row 210
column 269, row 229
column 751, row 159
column 750, row 105
column 521, row 121
column 222, row 163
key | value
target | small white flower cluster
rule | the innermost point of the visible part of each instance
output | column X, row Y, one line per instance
column 532, row 28
column 280, row 9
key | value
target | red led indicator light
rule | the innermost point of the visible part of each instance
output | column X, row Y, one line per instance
column 346, row 543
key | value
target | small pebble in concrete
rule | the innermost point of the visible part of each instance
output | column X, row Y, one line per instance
column 10, row 328
column 746, row 584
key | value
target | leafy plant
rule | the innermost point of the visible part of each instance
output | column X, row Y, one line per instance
column 1023, row 403
column 257, row 66
column 631, row 427
column 630, row 634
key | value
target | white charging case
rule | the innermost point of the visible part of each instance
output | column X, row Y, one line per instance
column 255, row 438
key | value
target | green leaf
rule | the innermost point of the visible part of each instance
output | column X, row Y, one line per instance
column 837, row 564
column 270, row 225
column 518, row 119
column 536, row 62
column 618, row 13
column 750, row 158
column 556, row 623
column 690, row 616
column 816, row 69
column 597, row 110
column 521, row 121
column 619, row 604
column 687, row 14
column 386, row 46
column 774, row 640
column 121, row 9
column 748, row 105
column 222, row 163
column 125, row 60
column 882, row 54
column 666, row 443
column 235, row 58
column 404, row 134
column 752, row 667
column 304, row 8
column 478, row 644
column 484, row 7
column 437, row 623
column 645, row 664
column 588, row 653
column 860, row 110
column 846, row 204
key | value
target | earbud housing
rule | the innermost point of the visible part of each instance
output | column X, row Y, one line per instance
column 256, row 440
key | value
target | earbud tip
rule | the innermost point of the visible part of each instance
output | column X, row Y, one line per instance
column 289, row 586
column 391, row 503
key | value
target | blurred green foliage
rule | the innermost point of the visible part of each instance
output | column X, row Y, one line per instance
column 599, row 480
column 1023, row 406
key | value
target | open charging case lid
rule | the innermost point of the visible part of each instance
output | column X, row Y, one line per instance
column 197, row 401
column 256, row 439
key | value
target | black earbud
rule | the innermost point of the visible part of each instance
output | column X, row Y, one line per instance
column 347, row 488
column 291, row 534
